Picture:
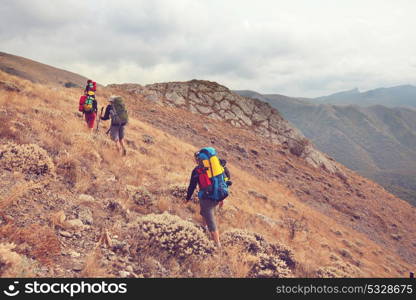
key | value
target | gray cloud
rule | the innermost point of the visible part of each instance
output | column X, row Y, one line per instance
column 302, row 48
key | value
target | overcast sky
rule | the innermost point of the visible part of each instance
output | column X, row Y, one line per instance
column 297, row 48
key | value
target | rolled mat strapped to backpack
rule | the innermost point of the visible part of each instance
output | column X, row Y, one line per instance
column 215, row 172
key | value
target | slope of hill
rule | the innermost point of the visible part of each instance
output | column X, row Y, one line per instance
column 376, row 141
column 38, row 72
column 319, row 192
column 402, row 95
column 98, row 214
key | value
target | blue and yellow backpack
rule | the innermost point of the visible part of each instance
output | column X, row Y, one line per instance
column 215, row 172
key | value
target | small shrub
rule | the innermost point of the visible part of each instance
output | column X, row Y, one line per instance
column 330, row 272
column 272, row 259
column 148, row 139
column 141, row 196
column 28, row 159
column 269, row 266
column 338, row 270
column 178, row 191
column 178, row 237
column 69, row 170
column 252, row 243
column 295, row 225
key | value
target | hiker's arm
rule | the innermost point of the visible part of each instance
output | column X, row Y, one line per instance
column 107, row 113
column 227, row 173
column 192, row 185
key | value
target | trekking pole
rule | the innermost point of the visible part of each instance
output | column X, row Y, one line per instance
column 99, row 119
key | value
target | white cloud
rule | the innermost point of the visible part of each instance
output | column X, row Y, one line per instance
column 301, row 47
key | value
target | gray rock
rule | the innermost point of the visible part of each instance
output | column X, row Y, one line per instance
column 65, row 234
column 75, row 223
column 225, row 105
column 204, row 109
column 78, row 267
column 85, row 215
column 84, row 197
column 247, row 105
column 175, row 98
column 74, row 254
column 124, row 274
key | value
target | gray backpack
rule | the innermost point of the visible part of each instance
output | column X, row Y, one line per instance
column 119, row 114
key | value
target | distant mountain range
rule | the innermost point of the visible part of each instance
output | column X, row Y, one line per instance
column 398, row 96
column 377, row 141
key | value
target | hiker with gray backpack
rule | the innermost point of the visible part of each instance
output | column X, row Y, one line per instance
column 116, row 110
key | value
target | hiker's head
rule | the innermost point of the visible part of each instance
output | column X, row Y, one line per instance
column 197, row 159
column 113, row 98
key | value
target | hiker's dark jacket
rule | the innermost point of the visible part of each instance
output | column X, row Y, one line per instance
column 194, row 181
column 227, row 173
column 107, row 113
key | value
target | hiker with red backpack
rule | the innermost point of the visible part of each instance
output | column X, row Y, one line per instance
column 88, row 104
column 116, row 110
column 212, row 177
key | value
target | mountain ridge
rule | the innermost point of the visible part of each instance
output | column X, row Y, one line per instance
column 396, row 96
column 373, row 140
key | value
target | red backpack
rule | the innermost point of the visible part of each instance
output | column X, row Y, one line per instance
column 203, row 179
column 81, row 103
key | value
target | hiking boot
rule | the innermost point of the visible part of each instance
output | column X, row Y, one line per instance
column 124, row 152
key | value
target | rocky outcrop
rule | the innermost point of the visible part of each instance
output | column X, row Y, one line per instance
column 218, row 102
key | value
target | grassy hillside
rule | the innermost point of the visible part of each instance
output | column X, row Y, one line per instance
column 70, row 206
column 38, row 72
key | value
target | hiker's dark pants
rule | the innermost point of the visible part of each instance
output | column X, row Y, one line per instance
column 207, row 212
column 117, row 132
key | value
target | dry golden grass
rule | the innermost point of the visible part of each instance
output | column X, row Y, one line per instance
column 39, row 242
column 12, row 264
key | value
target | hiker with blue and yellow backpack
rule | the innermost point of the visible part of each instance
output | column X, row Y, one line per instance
column 213, row 179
